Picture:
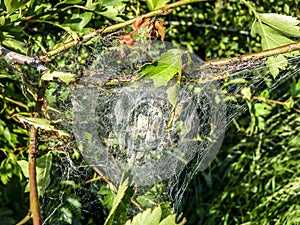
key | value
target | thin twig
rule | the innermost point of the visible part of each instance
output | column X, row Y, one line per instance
column 273, row 101
column 25, row 219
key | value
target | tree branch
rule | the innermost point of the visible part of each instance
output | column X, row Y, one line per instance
column 71, row 43
column 14, row 57
column 252, row 57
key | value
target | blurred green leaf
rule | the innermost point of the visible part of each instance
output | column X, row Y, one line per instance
column 114, row 12
column 74, row 202
column 13, row 44
column 108, row 197
column 70, row 2
column 64, row 77
column 6, row 216
column 78, row 21
column 289, row 104
column 295, row 88
column 13, row 5
column 110, row 2
column 246, row 92
column 156, row 4
column 66, row 215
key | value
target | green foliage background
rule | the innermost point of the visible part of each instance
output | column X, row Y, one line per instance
column 255, row 178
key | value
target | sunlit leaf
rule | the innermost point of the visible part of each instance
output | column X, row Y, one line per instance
column 41, row 123
column 271, row 38
column 78, row 21
column 74, row 202
column 171, row 220
column 13, row 5
column 262, row 109
column 153, row 217
column 149, row 217
column 288, row 25
column 156, row 4
column 110, row 2
column 246, row 92
column 113, row 12
column 276, row 63
column 164, row 69
column 64, row 77
column 69, row 2
column 14, row 44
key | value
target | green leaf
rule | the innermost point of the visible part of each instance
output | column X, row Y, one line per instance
column 149, row 217
column 67, row 215
column 156, row 4
column 153, row 217
column 270, row 37
column 117, row 214
column 110, row 2
column 275, row 63
column 13, row 5
column 108, row 198
column 113, row 12
column 289, row 104
column 171, row 220
column 246, row 92
column 91, row 5
column 14, row 44
column 78, row 21
column 165, row 68
column 288, row 25
column 24, row 167
column 64, row 77
column 7, row 136
column 43, row 168
column 41, row 123
column 172, row 94
column 275, row 30
column 74, row 202
column 295, row 88
column 262, row 109
column 71, row 2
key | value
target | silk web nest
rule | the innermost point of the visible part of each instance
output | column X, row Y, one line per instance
column 139, row 110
